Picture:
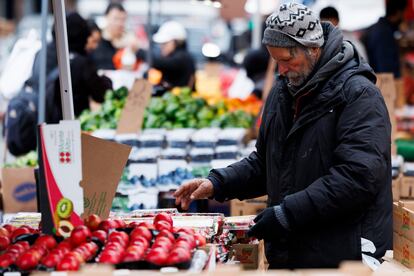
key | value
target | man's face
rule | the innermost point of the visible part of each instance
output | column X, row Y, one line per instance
column 116, row 20
column 296, row 64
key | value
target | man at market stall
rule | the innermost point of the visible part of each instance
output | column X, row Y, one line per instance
column 175, row 62
column 114, row 37
column 322, row 155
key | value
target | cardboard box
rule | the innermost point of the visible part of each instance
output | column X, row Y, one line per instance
column 403, row 250
column 18, row 187
column 247, row 207
column 407, row 187
column 251, row 256
column 407, row 226
column 396, row 186
column 397, row 246
column 397, row 217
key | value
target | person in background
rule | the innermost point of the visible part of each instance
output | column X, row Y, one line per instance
column 255, row 63
column 114, row 37
column 85, row 81
column 380, row 39
column 175, row 62
column 331, row 14
column 323, row 153
column 94, row 38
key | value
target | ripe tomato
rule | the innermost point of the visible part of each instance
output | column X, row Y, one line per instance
column 163, row 217
column 107, row 224
column 4, row 232
column 27, row 261
column 190, row 239
column 80, row 235
column 179, row 255
column 157, row 256
column 100, row 235
column 147, row 224
column 200, row 240
column 92, row 222
column 69, row 264
column 140, row 241
column 141, row 231
column 19, row 231
column 6, row 260
column 122, row 235
column 163, row 225
column 48, row 241
column 163, row 242
column 51, row 260
column 167, row 234
column 4, row 242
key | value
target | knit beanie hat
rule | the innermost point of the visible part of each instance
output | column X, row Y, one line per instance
column 293, row 23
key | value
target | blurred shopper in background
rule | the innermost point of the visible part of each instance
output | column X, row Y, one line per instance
column 94, row 38
column 323, row 153
column 175, row 62
column 331, row 14
column 85, row 81
column 255, row 63
column 380, row 39
column 114, row 37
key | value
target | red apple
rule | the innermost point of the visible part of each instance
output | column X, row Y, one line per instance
column 141, row 231
column 48, row 241
column 163, row 217
column 80, row 235
column 92, row 222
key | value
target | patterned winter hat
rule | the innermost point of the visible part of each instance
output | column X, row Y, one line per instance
column 293, row 23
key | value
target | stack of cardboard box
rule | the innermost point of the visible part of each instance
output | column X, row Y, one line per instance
column 403, row 227
column 248, row 207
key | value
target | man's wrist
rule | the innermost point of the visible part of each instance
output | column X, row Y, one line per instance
column 281, row 216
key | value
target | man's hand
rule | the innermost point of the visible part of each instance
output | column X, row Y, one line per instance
column 267, row 226
column 193, row 189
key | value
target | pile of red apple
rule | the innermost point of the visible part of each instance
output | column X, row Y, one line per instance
column 109, row 241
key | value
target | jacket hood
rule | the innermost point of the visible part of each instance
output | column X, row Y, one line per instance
column 337, row 56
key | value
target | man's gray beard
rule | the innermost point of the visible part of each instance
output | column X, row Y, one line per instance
column 297, row 79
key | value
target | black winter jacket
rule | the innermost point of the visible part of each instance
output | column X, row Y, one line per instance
column 327, row 160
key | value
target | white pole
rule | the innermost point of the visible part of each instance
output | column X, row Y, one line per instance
column 63, row 60
column 43, row 54
column 257, row 27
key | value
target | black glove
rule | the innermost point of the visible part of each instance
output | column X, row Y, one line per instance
column 268, row 225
